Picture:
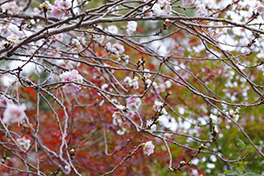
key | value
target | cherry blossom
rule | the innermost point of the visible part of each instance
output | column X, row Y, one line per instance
column 10, row 8
column 153, row 127
column 147, row 11
column 157, row 9
column 63, row 4
column 57, row 12
column 14, row 113
column 148, row 82
column 112, row 29
column 132, row 82
column 122, row 131
column 168, row 122
column 24, row 142
column 146, row 75
column 164, row 3
column 162, row 87
column 115, row 48
column 104, row 86
column 58, row 37
column 5, row 31
column 162, row 7
column 71, row 76
column 201, row 9
column 99, row 38
column 60, row 8
column 133, row 104
column 131, row 27
column 117, row 118
column 260, row 8
column 3, row 101
column 157, row 105
column 13, row 38
column 120, row 107
column 168, row 84
column 124, row 58
column 166, row 10
column 148, row 148
column 187, row 2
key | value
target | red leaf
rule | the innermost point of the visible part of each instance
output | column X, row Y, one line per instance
column 140, row 30
column 31, row 91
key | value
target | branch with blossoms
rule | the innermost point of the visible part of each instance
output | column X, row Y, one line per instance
column 83, row 82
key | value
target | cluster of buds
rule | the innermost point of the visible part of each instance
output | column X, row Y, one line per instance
column 5, row 159
column 202, row 146
column 44, row 7
column 72, row 153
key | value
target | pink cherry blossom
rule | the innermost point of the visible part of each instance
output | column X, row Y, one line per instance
column 10, row 8
column 201, row 9
column 71, row 76
column 36, row 11
column 164, row 3
column 57, row 12
column 187, row 2
column 3, row 101
column 14, row 113
column 63, row 4
column 58, row 37
column 133, row 104
column 148, row 148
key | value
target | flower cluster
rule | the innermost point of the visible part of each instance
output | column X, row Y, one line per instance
column 201, row 9
column 112, row 29
column 131, row 27
column 133, row 104
column 115, row 48
column 162, row 7
column 14, row 113
column 71, row 76
column 13, row 38
column 60, row 8
column 148, row 148
column 10, row 8
column 187, row 2
column 157, row 107
column 152, row 127
column 132, row 82
column 117, row 120
column 24, row 142
column 260, row 8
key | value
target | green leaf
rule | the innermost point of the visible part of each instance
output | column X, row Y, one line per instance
column 241, row 143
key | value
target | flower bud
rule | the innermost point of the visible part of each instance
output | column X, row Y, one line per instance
column 182, row 163
column 72, row 151
column 202, row 146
